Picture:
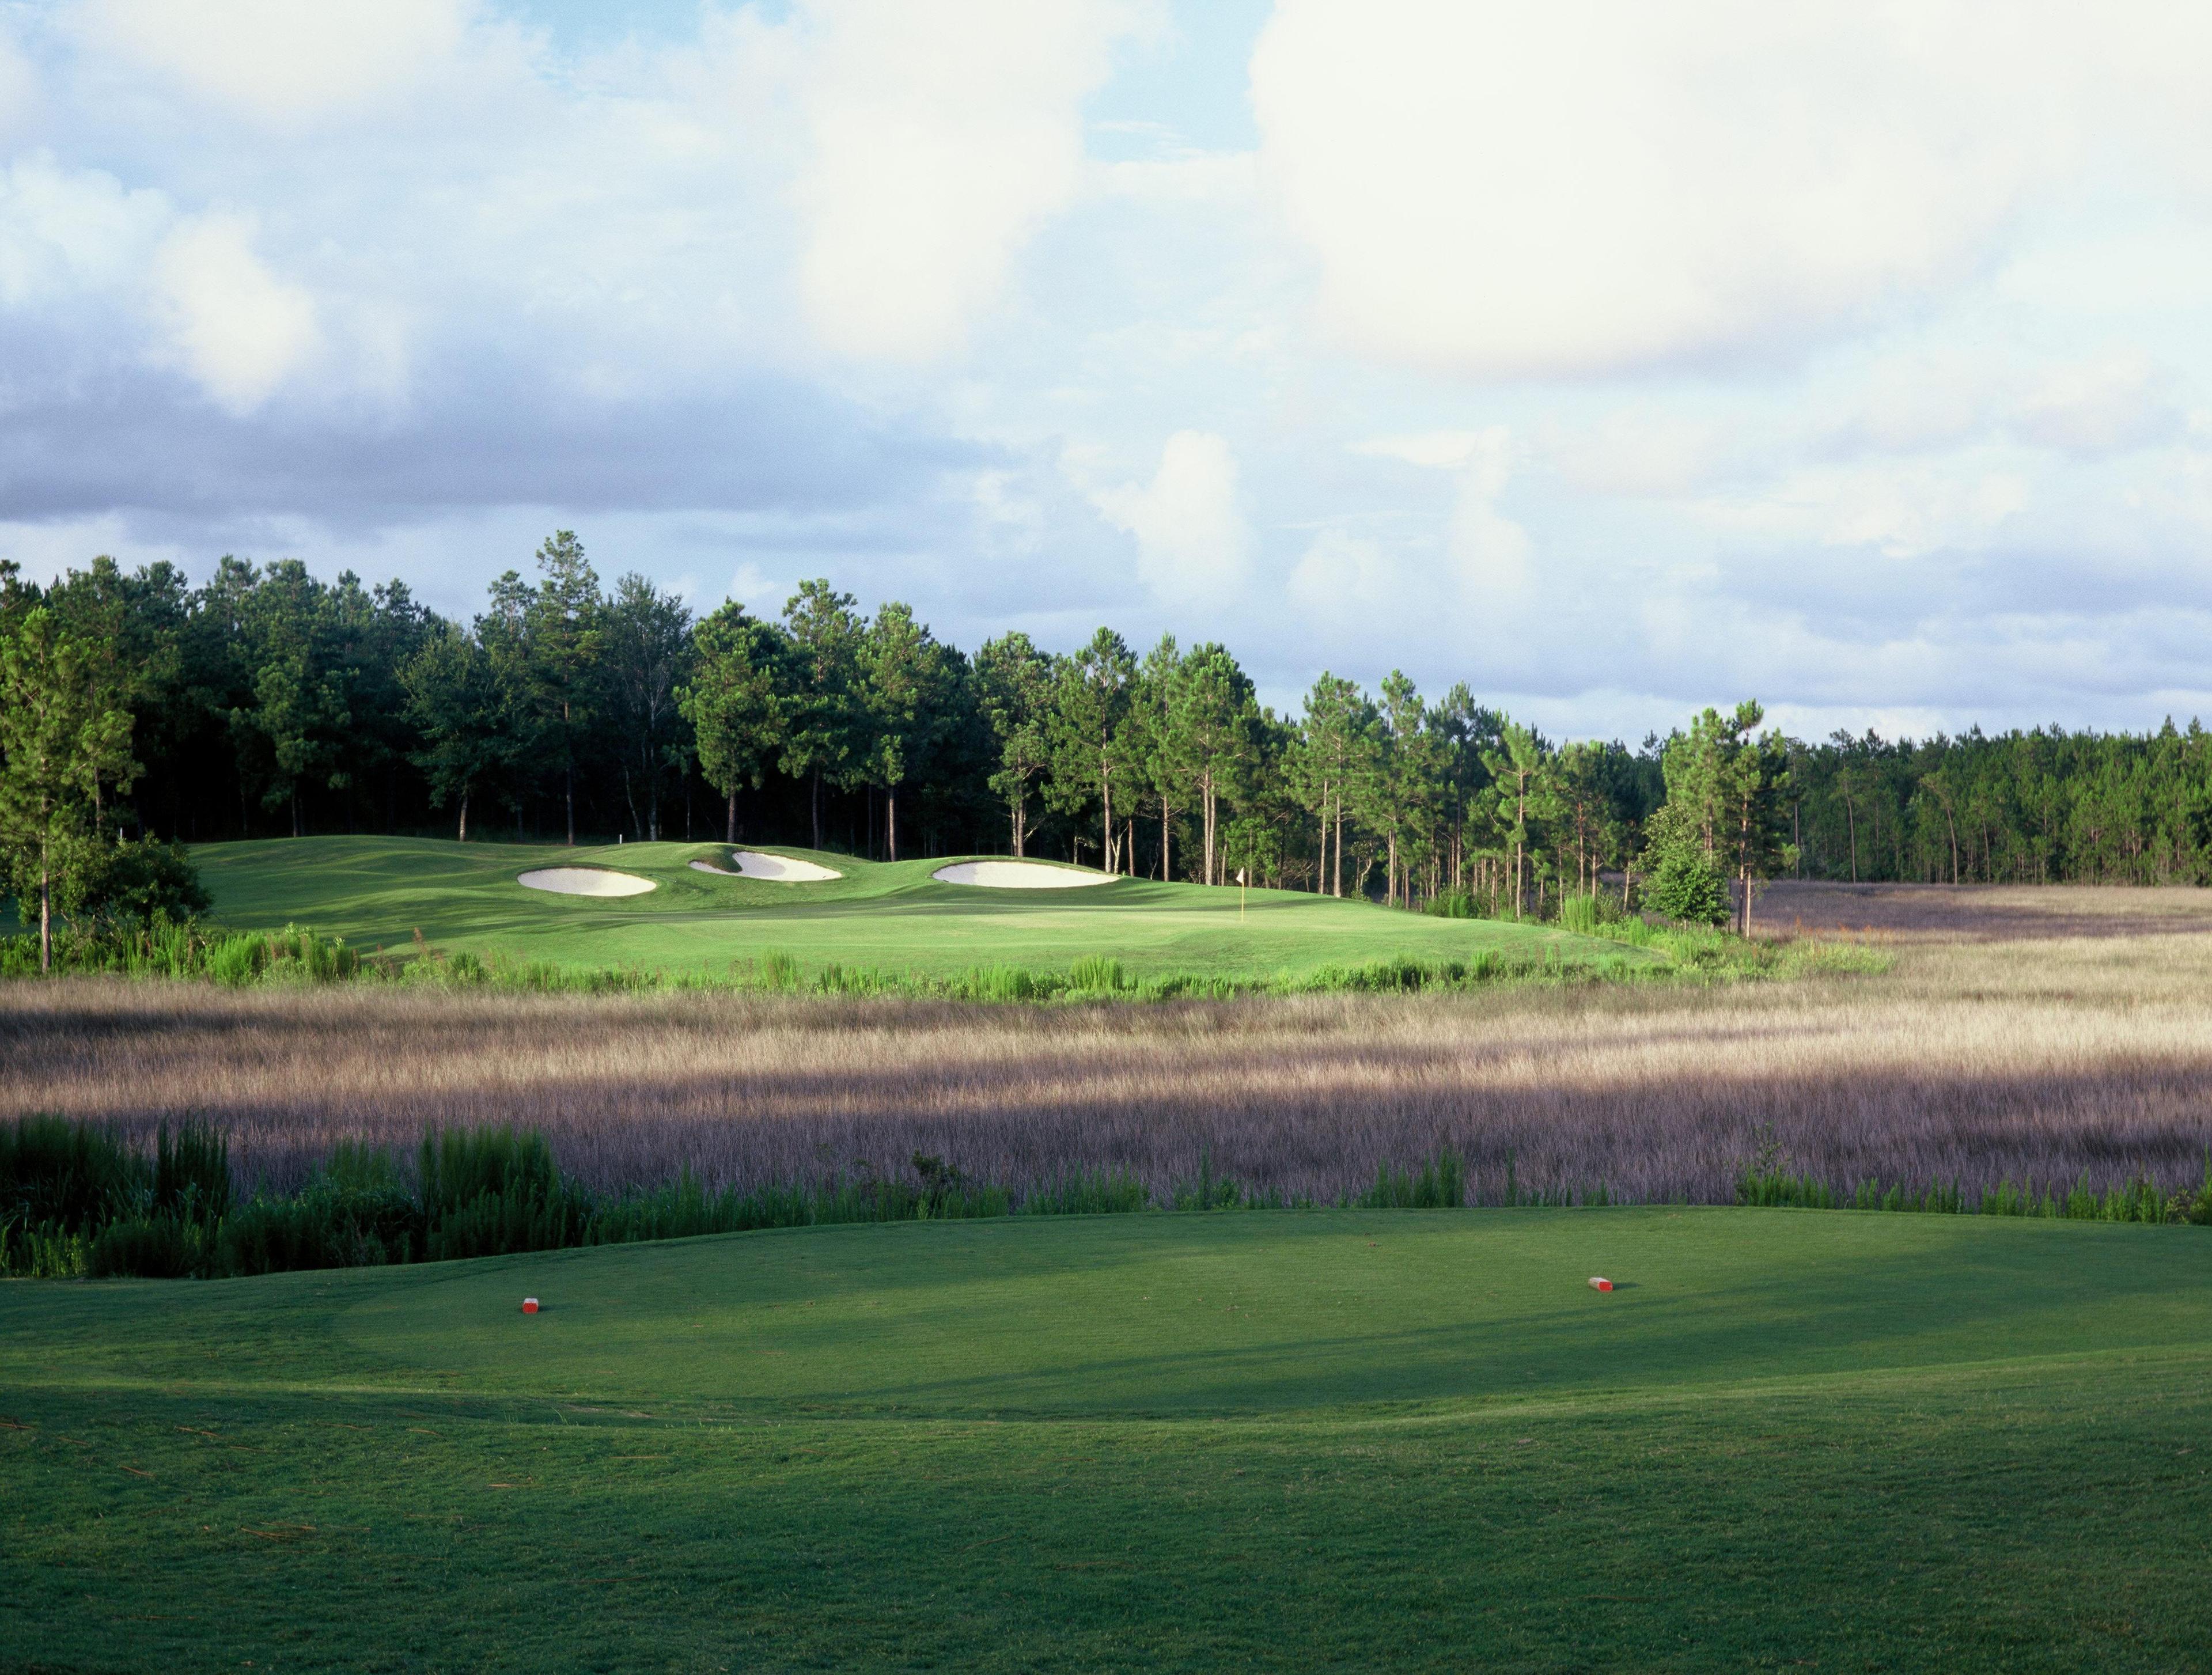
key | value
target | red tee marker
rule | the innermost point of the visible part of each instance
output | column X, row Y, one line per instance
column 1601, row 1285
column 530, row 1304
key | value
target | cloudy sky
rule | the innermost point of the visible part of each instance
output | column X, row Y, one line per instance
column 1614, row 358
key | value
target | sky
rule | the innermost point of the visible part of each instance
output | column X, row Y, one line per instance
column 1616, row 359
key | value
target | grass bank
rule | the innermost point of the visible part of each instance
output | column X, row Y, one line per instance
column 77, row 1201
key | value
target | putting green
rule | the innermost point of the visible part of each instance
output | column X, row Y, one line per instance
column 379, row 892
column 1332, row 1439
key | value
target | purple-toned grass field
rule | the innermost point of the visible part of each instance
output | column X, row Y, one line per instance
column 2021, row 1034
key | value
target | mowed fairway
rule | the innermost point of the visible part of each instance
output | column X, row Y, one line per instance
column 1333, row 1440
column 378, row 892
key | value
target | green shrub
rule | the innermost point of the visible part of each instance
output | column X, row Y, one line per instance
column 42, row 1252
column 1083, row 1193
column 157, row 1247
column 191, row 1175
column 999, row 983
column 1097, row 973
column 66, row 1177
column 1686, row 886
column 235, row 960
column 1209, row 1191
column 1440, row 1184
column 489, row 1192
column 1591, row 915
column 355, row 1213
column 456, row 1166
column 142, row 879
column 1453, row 904
column 501, row 1223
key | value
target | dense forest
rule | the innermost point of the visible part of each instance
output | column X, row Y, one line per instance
column 268, row 701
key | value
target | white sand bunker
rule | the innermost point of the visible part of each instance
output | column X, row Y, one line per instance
column 585, row 881
column 779, row 869
column 1018, row 875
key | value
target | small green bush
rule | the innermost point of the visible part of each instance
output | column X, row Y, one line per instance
column 1097, row 973
column 1105, row 1193
column 157, row 1247
column 66, row 1177
column 1685, row 886
column 1439, row 1184
column 1591, row 915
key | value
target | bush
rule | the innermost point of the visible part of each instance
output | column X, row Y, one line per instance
column 162, row 1246
column 490, row 1192
column 1589, row 915
column 141, row 880
column 356, row 1213
column 66, row 1177
column 1105, row 1193
column 191, row 1177
column 1440, row 1184
column 1097, row 973
column 1687, row 887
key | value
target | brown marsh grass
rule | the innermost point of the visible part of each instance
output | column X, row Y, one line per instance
column 2021, row 1034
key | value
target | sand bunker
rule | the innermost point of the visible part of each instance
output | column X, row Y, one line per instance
column 1018, row 875
column 779, row 869
column 585, row 881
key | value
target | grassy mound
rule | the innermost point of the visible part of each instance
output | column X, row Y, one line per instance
column 891, row 917
column 1336, row 1439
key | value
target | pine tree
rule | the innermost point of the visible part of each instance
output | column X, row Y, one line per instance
column 456, row 696
column 562, row 625
column 1014, row 684
column 734, row 702
column 64, row 733
column 1091, row 756
column 824, row 736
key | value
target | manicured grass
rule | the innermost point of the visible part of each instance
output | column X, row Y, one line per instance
column 378, row 891
column 1336, row 1439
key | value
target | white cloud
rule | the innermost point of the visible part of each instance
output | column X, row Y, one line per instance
column 1212, row 178
column 48, row 549
column 1490, row 553
column 1902, row 509
column 1581, row 188
column 1646, row 452
column 66, row 232
column 1342, row 576
column 18, row 89
column 944, row 133
column 237, row 328
column 2101, row 406
column 1193, row 541
column 279, row 62
column 1438, row 449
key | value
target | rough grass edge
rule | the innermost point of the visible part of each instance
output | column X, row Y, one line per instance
column 295, row 956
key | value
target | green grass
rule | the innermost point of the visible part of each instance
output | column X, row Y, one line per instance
column 1340, row 1439
column 378, row 892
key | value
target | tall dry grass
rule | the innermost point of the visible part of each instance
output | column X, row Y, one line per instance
column 2020, row 1035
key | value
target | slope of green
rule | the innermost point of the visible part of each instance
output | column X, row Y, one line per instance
column 1341, row 1440
column 378, row 892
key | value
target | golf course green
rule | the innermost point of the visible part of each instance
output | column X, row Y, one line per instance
column 895, row 917
column 1331, row 1440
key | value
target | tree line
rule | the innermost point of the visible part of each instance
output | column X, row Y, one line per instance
column 268, row 701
